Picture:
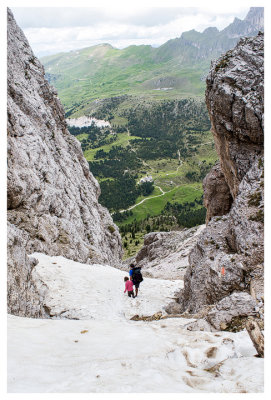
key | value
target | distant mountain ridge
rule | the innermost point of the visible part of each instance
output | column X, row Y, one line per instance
column 175, row 69
column 212, row 42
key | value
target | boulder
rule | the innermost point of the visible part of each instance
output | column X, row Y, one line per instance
column 199, row 325
column 173, row 308
column 239, row 304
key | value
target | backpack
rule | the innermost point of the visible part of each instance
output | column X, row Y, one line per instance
column 137, row 276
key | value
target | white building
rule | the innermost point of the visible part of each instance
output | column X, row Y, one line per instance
column 146, row 179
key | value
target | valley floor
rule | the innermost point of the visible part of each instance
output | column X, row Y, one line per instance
column 104, row 351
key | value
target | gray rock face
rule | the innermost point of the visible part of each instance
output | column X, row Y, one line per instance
column 230, row 250
column 217, row 195
column 229, row 253
column 250, row 26
column 52, row 195
column 165, row 254
column 22, row 295
column 235, row 305
column 255, row 17
column 234, row 98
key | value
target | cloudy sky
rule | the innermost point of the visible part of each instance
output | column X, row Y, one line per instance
column 51, row 30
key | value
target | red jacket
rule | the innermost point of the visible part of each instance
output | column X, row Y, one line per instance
column 128, row 286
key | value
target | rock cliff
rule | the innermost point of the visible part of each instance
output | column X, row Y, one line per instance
column 250, row 26
column 234, row 97
column 164, row 255
column 228, row 257
column 51, row 194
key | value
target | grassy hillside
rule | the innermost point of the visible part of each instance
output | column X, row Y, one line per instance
column 169, row 140
column 103, row 72
column 176, row 69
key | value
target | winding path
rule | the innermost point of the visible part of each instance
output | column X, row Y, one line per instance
column 148, row 198
column 162, row 191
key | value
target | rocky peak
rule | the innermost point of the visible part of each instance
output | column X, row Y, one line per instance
column 53, row 203
column 250, row 26
column 212, row 30
column 255, row 17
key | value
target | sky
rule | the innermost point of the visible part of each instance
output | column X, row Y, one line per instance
column 51, row 30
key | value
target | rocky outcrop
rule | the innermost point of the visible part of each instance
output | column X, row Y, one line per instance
column 230, row 251
column 234, row 97
column 51, row 194
column 173, row 308
column 231, row 313
column 236, row 305
column 228, row 256
column 250, row 26
column 164, row 255
column 22, row 294
column 217, row 195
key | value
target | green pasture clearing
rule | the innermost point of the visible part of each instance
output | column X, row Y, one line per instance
column 156, row 192
column 119, row 121
column 153, row 207
column 82, row 136
column 122, row 140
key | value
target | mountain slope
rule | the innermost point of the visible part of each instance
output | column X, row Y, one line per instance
column 179, row 65
column 198, row 47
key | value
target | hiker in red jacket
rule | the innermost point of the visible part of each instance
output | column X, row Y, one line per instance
column 129, row 287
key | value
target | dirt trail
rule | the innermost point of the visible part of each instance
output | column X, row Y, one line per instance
column 148, row 198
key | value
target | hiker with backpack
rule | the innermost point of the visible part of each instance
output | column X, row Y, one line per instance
column 136, row 277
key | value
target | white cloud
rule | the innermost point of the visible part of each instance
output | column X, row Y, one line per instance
column 50, row 30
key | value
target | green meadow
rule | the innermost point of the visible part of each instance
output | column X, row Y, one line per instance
column 153, row 206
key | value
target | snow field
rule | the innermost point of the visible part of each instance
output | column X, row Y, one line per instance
column 104, row 351
column 81, row 291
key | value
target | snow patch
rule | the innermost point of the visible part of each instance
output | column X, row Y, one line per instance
column 87, row 121
column 104, row 351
